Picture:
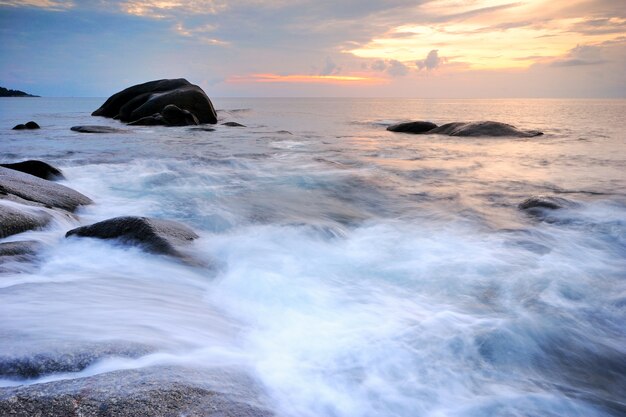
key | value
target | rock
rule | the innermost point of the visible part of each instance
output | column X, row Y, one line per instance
column 155, row 235
column 412, row 127
column 201, row 129
column 36, row 190
column 27, row 126
column 544, row 202
column 175, row 116
column 27, row 361
column 37, row 168
column 163, row 391
column 233, row 124
column 13, row 221
column 97, row 129
column 144, row 100
column 486, row 128
column 154, row 120
column 24, row 251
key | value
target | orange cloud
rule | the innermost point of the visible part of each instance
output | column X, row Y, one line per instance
column 304, row 79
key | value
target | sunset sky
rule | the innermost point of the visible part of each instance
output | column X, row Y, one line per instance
column 395, row 48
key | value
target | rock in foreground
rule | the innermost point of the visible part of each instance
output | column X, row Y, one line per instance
column 486, row 128
column 37, row 168
column 544, row 202
column 155, row 235
column 412, row 127
column 149, row 392
column 29, row 188
column 149, row 99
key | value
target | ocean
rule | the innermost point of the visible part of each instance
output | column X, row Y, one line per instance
column 350, row 270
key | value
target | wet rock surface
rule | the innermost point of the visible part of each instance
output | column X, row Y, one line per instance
column 162, row 391
column 150, row 98
column 97, row 129
column 27, row 361
column 545, row 202
column 154, row 235
column 36, row 190
column 233, row 124
column 18, row 256
column 13, row 220
column 37, row 168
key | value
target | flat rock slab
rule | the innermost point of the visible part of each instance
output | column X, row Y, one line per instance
column 37, row 168
column 97, row 129
column 37, row 190
column 18, row 361
column 14, row 221
column 149, row 392
column 412, row 127
column 233, row 124
column 485, row 128
column 155, row 235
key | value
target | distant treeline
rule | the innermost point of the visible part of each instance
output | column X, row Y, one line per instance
column 5, row 92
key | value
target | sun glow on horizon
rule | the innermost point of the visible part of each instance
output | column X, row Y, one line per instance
column 302, row 78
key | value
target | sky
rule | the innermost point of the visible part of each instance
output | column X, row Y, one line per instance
column 318, row 48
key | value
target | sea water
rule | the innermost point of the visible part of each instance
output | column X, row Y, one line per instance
column 353, row 271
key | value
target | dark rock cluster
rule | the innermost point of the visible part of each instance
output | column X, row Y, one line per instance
column 473, row 129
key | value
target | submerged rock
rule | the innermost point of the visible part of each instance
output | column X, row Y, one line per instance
column 162, row 391
column 13, row 221
column 486, row 128
column 27, row 126
column 36, row 190
column 37, row 168
column 155, row 235
column 34, row 361
column 412, row 127
column 144, row 100
column 544, row 202
column 97, row 129
column 233, row 124
column 14, row 253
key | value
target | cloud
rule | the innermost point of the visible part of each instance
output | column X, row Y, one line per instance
column 432, row 61
column 396, row 68
column 330, row 68
column 379, row 65
column 581, row 55
column 159, row 9
column 55, row 5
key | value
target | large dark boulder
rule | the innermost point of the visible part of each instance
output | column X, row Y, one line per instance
column 164, row 391
column 144, row 100
column 13, row 221
column 486, row 128
column 37, row 168
column 36, row 190
column 412, row 127
column 155, row 235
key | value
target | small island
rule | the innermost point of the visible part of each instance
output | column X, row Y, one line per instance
column 5, row 92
